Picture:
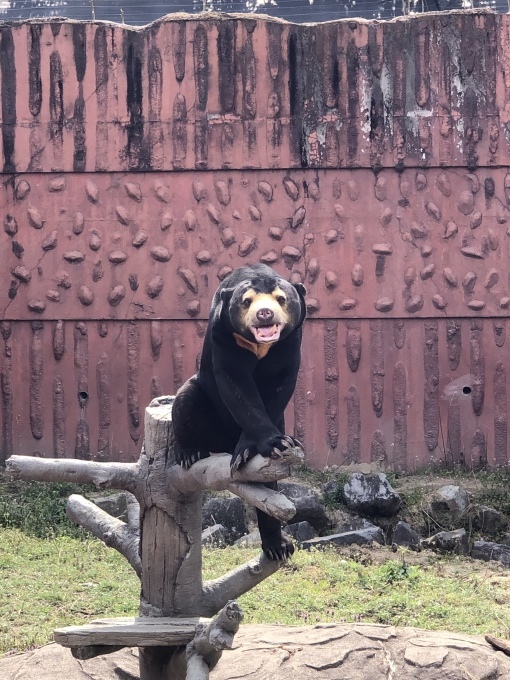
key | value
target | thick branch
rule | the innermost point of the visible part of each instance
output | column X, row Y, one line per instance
column 214, row 472
column 103, row 475
column 204, row 651
column 215, row 594
column 133, row 511
column 112, row 531
column 269, row 501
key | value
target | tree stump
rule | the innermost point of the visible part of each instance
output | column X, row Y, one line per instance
column 162, row 542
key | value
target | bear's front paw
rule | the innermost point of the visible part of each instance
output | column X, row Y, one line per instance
column 275, row 447
column 245, row 449
column 279, row 550
column 185, row 457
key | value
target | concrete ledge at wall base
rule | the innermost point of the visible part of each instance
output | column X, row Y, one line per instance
column 324, row 651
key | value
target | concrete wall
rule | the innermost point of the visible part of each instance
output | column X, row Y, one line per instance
column 366, row 159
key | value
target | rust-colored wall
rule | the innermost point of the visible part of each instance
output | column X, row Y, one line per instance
column 367, row 160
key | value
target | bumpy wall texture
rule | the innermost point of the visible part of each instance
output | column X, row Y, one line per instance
column 366, row 159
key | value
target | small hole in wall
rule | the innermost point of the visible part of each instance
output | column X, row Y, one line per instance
column 83, row 396
column 466, row 390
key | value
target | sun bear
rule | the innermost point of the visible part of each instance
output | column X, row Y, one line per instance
column 247, row 375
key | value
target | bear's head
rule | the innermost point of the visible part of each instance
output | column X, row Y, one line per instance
column 263, row 307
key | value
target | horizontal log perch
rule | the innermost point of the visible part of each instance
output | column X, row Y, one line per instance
column 215, row 473
column 102, row 475
column 269, row 501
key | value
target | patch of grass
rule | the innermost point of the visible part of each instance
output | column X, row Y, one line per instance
column 38, row 508
column 47, row 583
column 495, row 491
column 441, row 593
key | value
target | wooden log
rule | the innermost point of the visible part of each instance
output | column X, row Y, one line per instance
column 169, row 502
column 204, row 651
column 112, row 531
column 103, row 475
column 131, row 632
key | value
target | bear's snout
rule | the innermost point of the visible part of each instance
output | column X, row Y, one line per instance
column 265, row 315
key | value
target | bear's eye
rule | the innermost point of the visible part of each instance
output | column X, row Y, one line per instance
column 281, row 300
column 247, row 302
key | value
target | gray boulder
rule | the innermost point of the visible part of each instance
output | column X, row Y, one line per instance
column 249, row 540
column 371, row 494
column 448, row 542
column 361, row 537
column 450, row 502
column 488, row 520
column 308, row 506
column 301, row 531
column 115, row 504
column 215, row 536
column 353, row 523
column 229, row 512
column 487, row 551
column 252, row 540
column 404, row 535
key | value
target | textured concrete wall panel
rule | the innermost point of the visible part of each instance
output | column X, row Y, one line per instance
column 417, row 244
column 366, row 160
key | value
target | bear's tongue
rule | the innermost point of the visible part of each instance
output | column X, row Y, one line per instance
column 266, row 333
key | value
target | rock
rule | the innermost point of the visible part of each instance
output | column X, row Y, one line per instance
column 308, row 506
column 53, row 661
column 215, row 536
column 301, row 531
column 488, row 520
column 405, row 536
column 330, row 488
column 249, row 540
column 252, row 540
column 229, row 512
column 326, row 651
column 371, row 494
column 345, row 521
column 448, row 542
column 114, row 504
column 487, row 551
column 360, row 537
column 449, row 500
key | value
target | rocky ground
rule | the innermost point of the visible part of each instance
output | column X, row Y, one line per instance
column 424, row 513
column 358, row 511
column 321, row 652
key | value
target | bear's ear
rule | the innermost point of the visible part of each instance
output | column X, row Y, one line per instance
column 226, row 294
column 300, row 289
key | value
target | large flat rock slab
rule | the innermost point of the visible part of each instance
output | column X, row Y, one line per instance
column 324, row 651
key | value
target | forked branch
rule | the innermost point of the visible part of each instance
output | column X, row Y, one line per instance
column 216, row 593
column 112, row 531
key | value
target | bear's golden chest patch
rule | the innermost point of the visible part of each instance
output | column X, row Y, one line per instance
column 259, row 350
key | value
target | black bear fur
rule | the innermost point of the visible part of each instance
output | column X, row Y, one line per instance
column 247, row 375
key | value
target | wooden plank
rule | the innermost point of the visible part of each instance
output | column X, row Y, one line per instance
column 130, row 632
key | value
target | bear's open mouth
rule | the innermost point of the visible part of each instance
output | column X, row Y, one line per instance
column 266, row 333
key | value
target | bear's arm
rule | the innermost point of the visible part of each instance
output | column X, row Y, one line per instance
column 233, row 371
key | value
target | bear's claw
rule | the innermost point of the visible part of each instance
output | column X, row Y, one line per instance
column 280, row 552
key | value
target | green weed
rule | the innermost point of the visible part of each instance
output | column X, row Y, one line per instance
column 37, row 508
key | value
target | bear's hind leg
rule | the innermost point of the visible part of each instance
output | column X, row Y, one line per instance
column 198, row 430
column 274, row 545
